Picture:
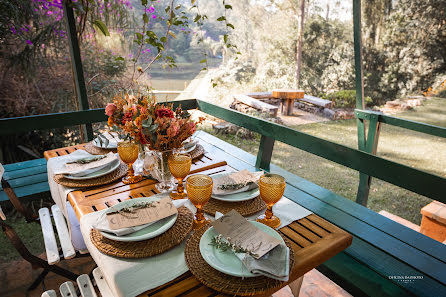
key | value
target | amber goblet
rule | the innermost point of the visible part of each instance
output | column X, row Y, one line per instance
column 179, row 166
column 199, row 191
column 128, row 152
column 271, row 188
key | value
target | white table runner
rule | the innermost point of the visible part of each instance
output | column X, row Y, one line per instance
column 60, row 193
column 131, row 277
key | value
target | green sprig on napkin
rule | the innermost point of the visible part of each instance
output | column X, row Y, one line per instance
column 87, row 160
column 134, row 207
column 233, row 187
column 224, row 245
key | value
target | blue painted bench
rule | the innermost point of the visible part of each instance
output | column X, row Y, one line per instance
column 382, row 252
column 26, row 178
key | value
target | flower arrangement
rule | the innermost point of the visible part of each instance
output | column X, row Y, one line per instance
column 148, row 123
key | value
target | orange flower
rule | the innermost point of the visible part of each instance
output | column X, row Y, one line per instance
column 110, row 121
column 138, row 121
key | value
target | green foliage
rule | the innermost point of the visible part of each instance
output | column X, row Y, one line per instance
column 409, row 53
column 345, row 98
column 102, row 27
column 328, row 57
column 442, row 94
column 403, row 48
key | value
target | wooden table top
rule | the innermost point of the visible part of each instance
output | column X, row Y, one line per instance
column 314, row 240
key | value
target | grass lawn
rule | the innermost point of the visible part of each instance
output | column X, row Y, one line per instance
column 408, row 147
column 29, row 233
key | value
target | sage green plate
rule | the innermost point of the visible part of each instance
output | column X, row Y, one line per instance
column 148, row 232
column 227, row 262
column 239, row 195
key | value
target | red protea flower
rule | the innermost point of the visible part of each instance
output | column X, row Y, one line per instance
column 164, row 112
column 128, row 117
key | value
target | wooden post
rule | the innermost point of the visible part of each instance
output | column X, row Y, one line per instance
column 76, row 64
column 370, row 143
column 266, row 147
column 371, row 146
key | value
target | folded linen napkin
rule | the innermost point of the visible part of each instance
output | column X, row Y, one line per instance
column 189, row 144
column 236, row 182
column 274, row 264
column 78, row 169
column 101, row 223
column 107, row 140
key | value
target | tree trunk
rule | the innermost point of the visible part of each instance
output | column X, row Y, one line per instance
column 327, row 15
column 299, row 43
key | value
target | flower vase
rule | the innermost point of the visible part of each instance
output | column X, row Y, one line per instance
column 138, row 166
column 161, row 171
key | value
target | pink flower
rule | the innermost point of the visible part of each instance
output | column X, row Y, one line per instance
column 110, row 109
column 134, row 108
column 192, row 127
column 173, row 129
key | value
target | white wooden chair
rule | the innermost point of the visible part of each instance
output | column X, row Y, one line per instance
column 53, row 252
column 85, row 286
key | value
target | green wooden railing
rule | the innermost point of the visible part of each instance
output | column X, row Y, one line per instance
column 65, row 119
column 369, row 144
column 407, row 124
column 415, row 180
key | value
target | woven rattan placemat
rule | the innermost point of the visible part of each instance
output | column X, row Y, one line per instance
column 85, row 183
column 150, row 247
column 245, row 208
column 225, row 283
column 94, row 150
column 197, row 152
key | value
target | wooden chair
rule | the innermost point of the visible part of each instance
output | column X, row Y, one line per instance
column 85, row 287
column 53, row 252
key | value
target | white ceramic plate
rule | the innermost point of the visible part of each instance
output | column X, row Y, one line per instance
column 227, row 262
column 103, row 171
column 239, row 195
column 150, row 231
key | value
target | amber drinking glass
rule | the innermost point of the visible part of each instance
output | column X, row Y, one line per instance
column 179, row 166
column 199, row 191
column 128, row 152
column 271, row 188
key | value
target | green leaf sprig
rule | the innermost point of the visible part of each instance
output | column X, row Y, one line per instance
column 133, row 208
column 225, row 245
column 87, row 160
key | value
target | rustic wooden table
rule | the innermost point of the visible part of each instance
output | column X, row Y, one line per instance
column 314, row 240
